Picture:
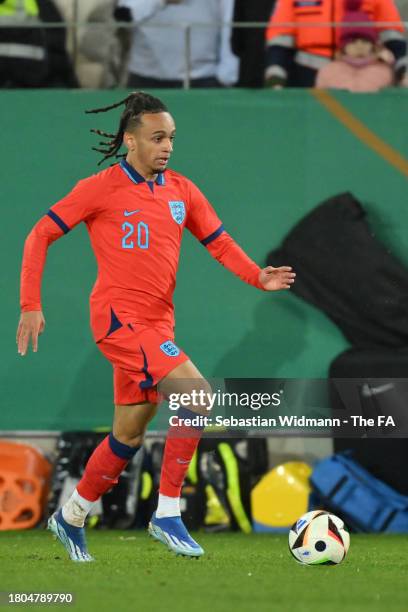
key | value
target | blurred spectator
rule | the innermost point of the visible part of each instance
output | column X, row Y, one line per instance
column 359, row 66
column 33, row 57
column 295, row 54
column 104, row 48
column 403, row 9
column 158, row 53
column 249, row 43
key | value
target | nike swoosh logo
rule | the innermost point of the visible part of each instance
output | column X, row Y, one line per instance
column 129, row 213
column 368, row 391
column 182, row 461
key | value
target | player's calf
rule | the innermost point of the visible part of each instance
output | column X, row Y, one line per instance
column 182, row 437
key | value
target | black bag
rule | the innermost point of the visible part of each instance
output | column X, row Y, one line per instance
column 222, row 470
column 381, row 371
column 346, row 272
column 232, row 467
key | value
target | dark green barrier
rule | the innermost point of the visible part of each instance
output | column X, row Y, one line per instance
column 264, row 159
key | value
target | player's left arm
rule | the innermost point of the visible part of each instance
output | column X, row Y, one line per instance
column 205, row 225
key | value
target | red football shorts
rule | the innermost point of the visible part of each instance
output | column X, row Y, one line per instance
column 141, row 356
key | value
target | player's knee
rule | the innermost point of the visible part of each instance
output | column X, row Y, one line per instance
column 201, row 397
column 207, row 395
column 132, row 439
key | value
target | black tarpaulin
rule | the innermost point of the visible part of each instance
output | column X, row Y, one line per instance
column 345, row 271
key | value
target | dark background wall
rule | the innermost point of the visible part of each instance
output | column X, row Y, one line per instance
column 264, row 160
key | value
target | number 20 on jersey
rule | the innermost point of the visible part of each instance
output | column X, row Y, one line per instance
column 135, row 237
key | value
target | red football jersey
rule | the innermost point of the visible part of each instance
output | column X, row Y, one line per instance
column 135, row 227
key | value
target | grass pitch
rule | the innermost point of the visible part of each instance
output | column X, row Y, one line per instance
column 238, row 573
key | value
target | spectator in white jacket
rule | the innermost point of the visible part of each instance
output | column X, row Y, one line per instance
column 163, row 56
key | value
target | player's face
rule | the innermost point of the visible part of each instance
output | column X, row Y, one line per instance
column 153, row 142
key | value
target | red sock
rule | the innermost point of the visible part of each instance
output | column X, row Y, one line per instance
column 181, row 442
column 104, row 467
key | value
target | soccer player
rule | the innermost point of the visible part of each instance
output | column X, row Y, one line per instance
column 135, row 212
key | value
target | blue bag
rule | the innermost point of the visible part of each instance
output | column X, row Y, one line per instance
column 364, row 502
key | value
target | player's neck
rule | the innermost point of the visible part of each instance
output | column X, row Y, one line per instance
column 144, row 172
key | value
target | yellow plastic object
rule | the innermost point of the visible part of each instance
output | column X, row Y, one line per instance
column 281, row 496
column 147, row 486
column 215, row 514
column 233, row 488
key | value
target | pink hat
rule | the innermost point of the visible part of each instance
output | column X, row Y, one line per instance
column 354, row 14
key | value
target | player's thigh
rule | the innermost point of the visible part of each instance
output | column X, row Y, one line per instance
column 186, row 378
column 141, row 356
column 130, row 421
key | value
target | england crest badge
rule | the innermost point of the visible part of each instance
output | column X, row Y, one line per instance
column 178, row 211
column 170, row 349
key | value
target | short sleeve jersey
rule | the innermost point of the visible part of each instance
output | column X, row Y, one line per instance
column 136, row 227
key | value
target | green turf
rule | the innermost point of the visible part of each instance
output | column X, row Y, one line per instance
column 238, row 573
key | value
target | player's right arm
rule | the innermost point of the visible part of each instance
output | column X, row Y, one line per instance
column 80, row 204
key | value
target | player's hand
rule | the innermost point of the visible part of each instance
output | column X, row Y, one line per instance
column 30, row 326
column 274, row 279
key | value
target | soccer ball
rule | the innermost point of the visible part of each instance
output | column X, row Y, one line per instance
column 319, row 538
